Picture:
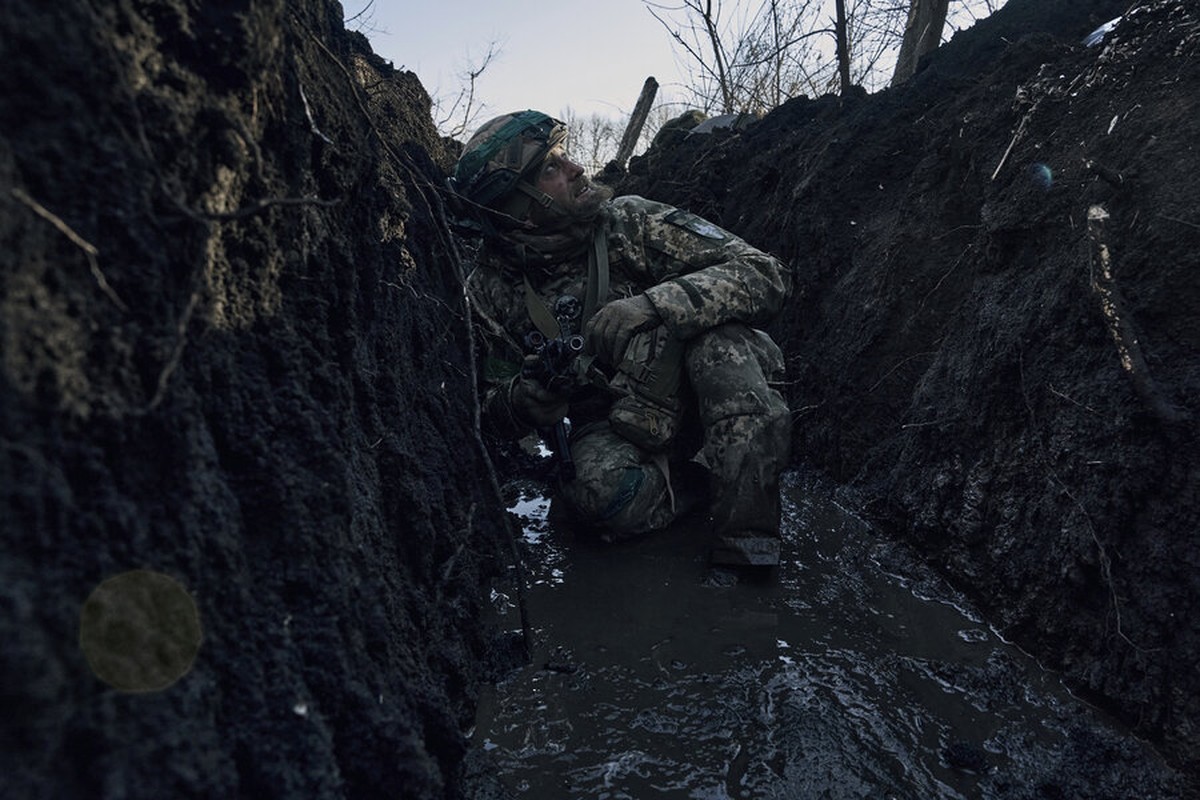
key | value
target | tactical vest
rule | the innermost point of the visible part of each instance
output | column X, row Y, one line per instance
column 647, row 411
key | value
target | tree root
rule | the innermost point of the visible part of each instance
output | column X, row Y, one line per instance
column 1120, row 323
column 87, row 247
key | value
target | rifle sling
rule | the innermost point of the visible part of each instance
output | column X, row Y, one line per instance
column 594, row 296
column 597, row 286
column 540, row 313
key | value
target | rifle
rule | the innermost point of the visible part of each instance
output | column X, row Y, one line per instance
column 555, row 368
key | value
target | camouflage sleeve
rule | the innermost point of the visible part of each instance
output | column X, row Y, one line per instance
column 498, row 359
column 703, row 276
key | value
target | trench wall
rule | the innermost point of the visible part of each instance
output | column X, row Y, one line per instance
column 232, row 351
column 993, row 342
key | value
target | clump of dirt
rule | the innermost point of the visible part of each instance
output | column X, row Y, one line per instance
column 233, row 350
column 994, row 337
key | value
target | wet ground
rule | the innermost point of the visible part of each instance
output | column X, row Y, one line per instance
column 855, row 673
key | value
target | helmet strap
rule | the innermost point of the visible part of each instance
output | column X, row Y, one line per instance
column 541, row 198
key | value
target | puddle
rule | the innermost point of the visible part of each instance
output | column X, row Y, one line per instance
column 839, row 679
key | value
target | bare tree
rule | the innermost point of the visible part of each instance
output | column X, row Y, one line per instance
column 363, row 20
column 743, row 57
column 843, row 47
column 593, row 140
column 455, row 117
column 707, row 79
column 922, row 34
column 752, row 55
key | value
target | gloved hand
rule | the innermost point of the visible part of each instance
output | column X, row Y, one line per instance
column 534, row 404
column 609, row 330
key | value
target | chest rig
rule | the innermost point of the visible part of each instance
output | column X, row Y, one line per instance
column 647, row 410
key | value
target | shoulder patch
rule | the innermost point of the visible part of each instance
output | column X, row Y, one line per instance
column 697, row 225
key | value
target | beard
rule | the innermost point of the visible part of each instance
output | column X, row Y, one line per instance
column 576, row 213
column 565, row 233
column 588, row 199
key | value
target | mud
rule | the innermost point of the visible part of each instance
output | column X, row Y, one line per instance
column 857, row 673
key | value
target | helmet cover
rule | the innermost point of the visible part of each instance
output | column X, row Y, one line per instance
column 502, row 151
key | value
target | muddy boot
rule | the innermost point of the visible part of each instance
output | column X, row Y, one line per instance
column 745, row 508
column 747, row 438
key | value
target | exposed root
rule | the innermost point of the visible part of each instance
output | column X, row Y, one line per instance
column 312, row 124
column 1016, row 138
column 87, row 247
column 164, row 376
column 1102, row 556
column 436, row 209
column 897, row 366
column 448, row 566
column 1181, row 221
column 1120, row 323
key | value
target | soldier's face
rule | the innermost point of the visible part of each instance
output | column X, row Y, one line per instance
column 564, row 180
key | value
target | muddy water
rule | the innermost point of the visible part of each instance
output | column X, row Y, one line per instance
column 854, row 673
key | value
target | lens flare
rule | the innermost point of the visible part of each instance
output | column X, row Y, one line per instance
column 1042, row 176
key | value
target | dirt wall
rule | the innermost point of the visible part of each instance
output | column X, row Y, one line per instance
column 233, row 352
column 994, row 340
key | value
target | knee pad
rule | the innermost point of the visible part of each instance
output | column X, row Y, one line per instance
column 615, row 491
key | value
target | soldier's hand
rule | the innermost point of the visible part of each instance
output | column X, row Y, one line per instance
column 609, row 330
column 536, row 405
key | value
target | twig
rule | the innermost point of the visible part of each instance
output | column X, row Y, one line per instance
column 1016, row 136
column 365, row 9
column 941, row 280
column 87, row 247
column 308, row 113
column 805, row 409
column 927, row 424
column 898, row 365
column 1070, row 399
column 493, row 481
column 448, row 566
column 1180, row 221
column 1102, row 552
column 956, row 230
column 172, row 363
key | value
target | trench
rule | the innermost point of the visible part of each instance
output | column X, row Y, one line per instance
column 855, row 672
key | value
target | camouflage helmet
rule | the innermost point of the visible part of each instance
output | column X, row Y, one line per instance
column 498, row 159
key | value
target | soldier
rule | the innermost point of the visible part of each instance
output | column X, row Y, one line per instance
column 643, row 317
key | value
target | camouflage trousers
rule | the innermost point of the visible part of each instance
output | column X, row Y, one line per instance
column 737, row 438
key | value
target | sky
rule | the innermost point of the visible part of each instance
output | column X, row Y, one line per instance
column 591, row 56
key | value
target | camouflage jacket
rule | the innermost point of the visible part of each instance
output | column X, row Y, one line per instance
column 695, row 274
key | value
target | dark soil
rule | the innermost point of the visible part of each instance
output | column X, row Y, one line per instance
column 233, row 350
column 254, row 386
column 958, row 358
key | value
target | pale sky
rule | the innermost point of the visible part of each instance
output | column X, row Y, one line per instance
column 590, row 55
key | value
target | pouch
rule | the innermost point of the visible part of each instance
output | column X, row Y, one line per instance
column 648, row 411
